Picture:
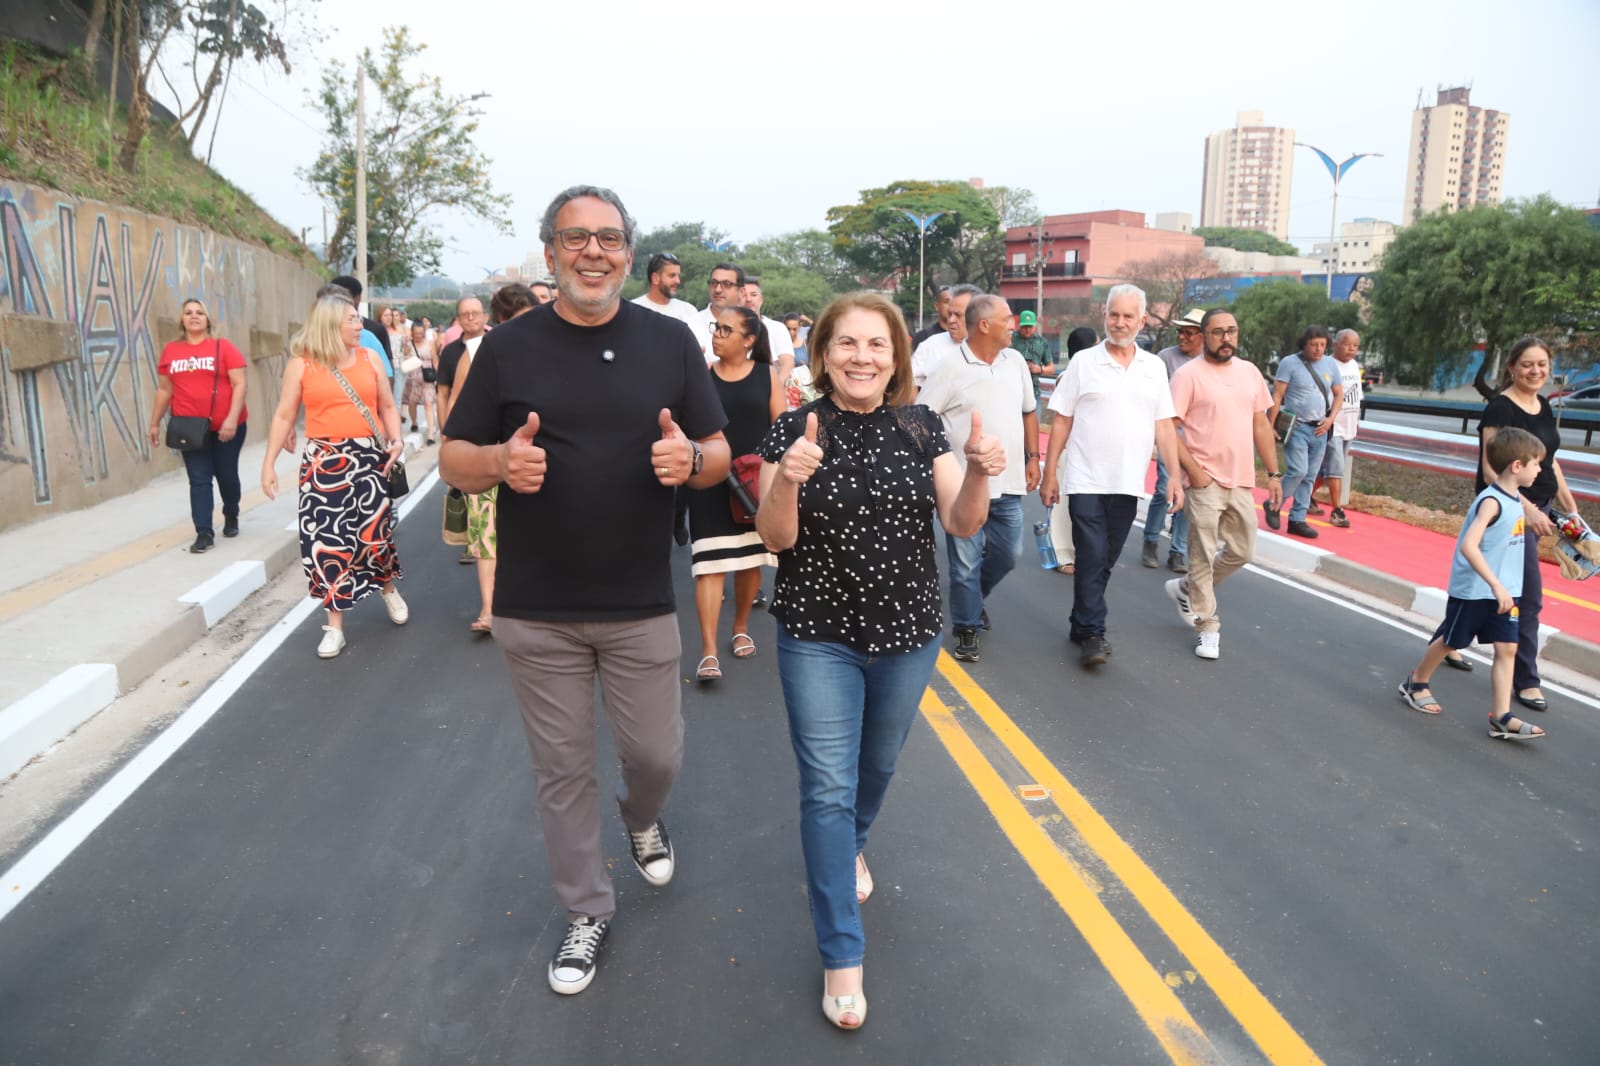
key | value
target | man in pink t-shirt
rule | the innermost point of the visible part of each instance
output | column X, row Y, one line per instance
column 1222, row 403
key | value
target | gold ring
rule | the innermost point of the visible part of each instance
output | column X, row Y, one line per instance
column 661, row 471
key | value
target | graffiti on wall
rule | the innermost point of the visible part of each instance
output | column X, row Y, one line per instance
column 88, row 297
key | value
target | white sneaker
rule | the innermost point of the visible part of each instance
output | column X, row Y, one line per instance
column 1181, row 598
column 1209, row 646
column 398, row 611
column 332, row 643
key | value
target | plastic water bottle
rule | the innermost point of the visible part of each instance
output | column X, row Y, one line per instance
column 1041, row 537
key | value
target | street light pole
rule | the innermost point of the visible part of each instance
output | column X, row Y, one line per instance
column 1337, row 172
column 361, row 176
column 922, row 223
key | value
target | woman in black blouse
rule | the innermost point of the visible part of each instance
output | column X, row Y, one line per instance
column 849, row 489
column 1519, row 404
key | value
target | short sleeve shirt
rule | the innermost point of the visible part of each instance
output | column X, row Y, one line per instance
column 1217, row 404
column 1348, row 421
column 1001, row 391
column 1114, row 410
column 1503, row 411
column 594, row 544
column 862, row 570
column 193, row 370
column 929, row 354
column 1303, row 398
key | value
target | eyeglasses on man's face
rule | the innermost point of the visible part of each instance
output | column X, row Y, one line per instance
column 721, row 283
column 1219, row 332
column 576, row 238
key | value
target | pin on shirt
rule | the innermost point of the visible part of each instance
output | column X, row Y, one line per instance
column 608, row 355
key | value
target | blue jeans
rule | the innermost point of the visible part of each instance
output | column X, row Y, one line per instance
column 979, row 562
column 849, row 713
column 219, row 459
column 1302, row 458
column 1157, row 515
column 1100, row 525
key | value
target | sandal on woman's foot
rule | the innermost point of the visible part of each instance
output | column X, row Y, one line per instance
column 483, row 626
column 845, row 1012
column 1458, row 662
column 1533, row 703
column 709, row 669
column 1417, row 695
column 1067, row 568
column 745, row 650
column 863, row 879
column 1509, row 727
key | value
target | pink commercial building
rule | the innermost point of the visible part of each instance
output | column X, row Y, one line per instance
column 1084, row 254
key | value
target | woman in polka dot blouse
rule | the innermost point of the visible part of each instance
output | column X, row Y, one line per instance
column 849, row 489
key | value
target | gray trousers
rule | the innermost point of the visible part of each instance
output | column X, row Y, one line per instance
column 553, row 669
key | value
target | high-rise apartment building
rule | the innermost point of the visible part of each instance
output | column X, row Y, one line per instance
column 1248, row 172
column 1458, row 155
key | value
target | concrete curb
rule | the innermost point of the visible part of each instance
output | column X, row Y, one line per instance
column 53, row 710
column 1386, row 587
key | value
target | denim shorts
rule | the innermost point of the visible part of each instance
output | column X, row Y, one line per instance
column 1335, row 458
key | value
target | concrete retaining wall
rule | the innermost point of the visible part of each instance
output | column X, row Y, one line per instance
column 89, row 295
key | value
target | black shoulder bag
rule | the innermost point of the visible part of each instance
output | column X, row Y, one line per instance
column 190, row 433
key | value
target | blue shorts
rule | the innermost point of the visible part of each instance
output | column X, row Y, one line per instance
column 1335, row 457
column 1466, row 620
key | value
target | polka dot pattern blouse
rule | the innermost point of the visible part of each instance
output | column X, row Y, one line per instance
column 862, row 570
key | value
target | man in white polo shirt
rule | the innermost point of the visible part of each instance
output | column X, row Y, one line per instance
column 726, row 288
column 984, row 374
column 665, row 274
column 777, row 333
column 932, row 351
column 1110, row 404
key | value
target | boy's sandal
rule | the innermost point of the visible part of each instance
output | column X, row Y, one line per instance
column 1509, row 727
column 1409, row 691
column 709, row 669
column 745, row 650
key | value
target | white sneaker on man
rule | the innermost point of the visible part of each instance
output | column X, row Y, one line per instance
column 1181, row 599
column 1209, row 646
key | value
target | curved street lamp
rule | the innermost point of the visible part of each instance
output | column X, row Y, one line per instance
column 1336, row 171
column 922, row 223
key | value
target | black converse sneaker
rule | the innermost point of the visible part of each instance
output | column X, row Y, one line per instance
column 652, row 853
column 573, row 967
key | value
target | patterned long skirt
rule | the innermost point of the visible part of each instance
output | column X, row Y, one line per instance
column 481, row 538
column 346, row 521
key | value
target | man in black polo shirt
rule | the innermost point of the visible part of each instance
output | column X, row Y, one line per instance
column 589, row 412
column 469, row 312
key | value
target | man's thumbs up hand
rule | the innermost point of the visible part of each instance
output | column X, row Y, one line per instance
column 673, row 455
column 522, row 462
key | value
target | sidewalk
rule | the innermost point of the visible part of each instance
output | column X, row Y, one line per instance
column 94, row 602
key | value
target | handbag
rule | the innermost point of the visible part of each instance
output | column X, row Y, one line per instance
column 396, row 478
column 429, row 374
column 189, row 433
column 1283, row 425
column 744, row 488
column 455, row 518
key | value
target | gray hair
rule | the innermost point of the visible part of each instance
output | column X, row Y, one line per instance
column 982, row 305
column 1343, row 333
column 1119, row 291
column 965, row 289
column 547, row 225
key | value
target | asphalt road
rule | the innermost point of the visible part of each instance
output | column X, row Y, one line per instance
column 1266, row 858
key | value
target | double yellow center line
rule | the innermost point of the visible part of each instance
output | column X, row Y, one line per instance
column 1151, row 993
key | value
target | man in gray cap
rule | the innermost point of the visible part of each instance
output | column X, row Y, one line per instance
column 1187, row 349
column 1034, row 348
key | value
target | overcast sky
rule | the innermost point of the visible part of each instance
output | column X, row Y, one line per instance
column 757, row 119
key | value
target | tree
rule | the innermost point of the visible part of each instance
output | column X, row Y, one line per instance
column 1245, row 240
column 219, row 33
column 1488, row 275
column 1165, row 279
column 883, row 243
column 422, row 156
column 810, row 251
column 142, row 28
column 1273, row 314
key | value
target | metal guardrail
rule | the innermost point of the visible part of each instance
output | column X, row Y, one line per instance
column 1587, row 421
column 1453, row 454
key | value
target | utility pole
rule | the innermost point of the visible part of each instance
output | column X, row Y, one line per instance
column 361, row 176
column 1043, row 248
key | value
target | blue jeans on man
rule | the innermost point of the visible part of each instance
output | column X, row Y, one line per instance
column 979, row 562
column 218, row 460
column 849, row 714
column 1100, row 525
column 1156, row 516
column 1302, row 458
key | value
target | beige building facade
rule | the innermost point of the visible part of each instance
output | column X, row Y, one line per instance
column 1361, row 246
column 1248, row 172
column 1457, row 157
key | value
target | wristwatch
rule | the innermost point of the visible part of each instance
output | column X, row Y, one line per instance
column 699, row 458
column 1274, row 473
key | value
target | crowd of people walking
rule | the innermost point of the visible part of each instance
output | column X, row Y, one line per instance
column 583, row 428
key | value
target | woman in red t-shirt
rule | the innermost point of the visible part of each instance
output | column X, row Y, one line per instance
column 201, row 375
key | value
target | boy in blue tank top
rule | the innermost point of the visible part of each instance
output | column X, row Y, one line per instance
column 1485, row 581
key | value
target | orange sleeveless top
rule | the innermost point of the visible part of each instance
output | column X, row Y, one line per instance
column 329, row 413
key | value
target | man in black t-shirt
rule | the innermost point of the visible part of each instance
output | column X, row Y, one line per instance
column 469, row 312
column 589, row 412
